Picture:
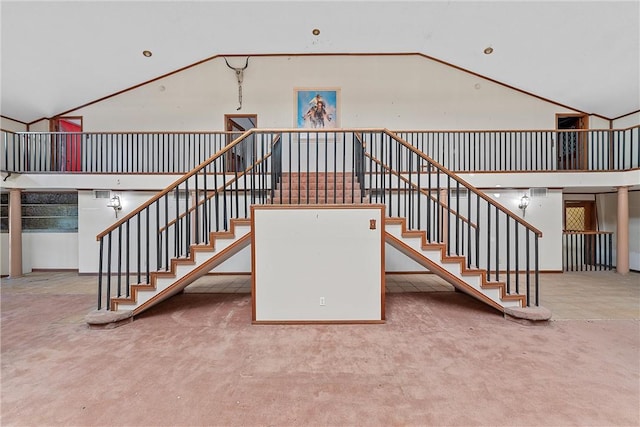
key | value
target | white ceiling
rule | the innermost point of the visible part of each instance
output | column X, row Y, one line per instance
column 59, row 55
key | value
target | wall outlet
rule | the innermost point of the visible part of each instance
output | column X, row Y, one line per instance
column 322, row 301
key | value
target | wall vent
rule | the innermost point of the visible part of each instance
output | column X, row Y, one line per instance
column 102, row 194
column 538, row 192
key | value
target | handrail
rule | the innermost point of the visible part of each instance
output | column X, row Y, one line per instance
column 109, row 152
column 497, row 230
column 477, row 150
column 515, row 130
column 213, row 193
column 465, row 184
column 172, row 186
column 423, row 192
column 586, row 232
column 538, row 150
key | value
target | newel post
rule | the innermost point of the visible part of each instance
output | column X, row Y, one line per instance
column 622, row 234
column 15, row 232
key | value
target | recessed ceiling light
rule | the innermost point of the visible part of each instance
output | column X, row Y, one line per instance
column 315, row 32
column 488, row 50
column 147, row 53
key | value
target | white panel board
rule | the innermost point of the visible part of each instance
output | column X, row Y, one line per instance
column 318, row 264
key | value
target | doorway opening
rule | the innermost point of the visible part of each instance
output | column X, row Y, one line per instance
column 236, row 124
column 66, row 143
column 572, row 146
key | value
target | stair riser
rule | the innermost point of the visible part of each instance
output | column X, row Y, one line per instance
column 319, row 200
column 319, row 175
column 285, row 186
column 330, row 194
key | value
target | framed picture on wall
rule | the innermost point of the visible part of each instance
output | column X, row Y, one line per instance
column 317, row 108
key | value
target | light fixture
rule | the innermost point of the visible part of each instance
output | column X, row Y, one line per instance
column 524, row 202
column 488, row 50
column 115, row 203
column 147, row 53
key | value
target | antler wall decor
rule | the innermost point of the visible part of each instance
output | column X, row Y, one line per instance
column 239, row 76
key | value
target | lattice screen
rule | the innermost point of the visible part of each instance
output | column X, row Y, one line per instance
column 574, row 220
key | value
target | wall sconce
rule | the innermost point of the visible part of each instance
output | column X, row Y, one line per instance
column 115, row 204
column 524, row 202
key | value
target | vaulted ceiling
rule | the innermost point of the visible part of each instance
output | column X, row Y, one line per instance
column 57, row 55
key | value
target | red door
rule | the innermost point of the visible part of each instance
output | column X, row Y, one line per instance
column 72, row 145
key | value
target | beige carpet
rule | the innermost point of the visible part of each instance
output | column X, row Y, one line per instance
column 442, row 359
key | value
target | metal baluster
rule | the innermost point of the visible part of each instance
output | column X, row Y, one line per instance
column 398, row 169
column 205, row 207
column 528, row 279
column 100, row 262
column 109, row 271
column 446, row 213
column 429, row 204
column 119, row 261
column 610, row 250
column 488, row 241
column 516, row 245
column 139, row 244
column 127, row 262
column 508, row 250
column 497, row 244
column 468, row 229
column 537, row 269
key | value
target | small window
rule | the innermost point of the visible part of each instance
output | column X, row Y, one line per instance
column 4, row 212
column 49, row 212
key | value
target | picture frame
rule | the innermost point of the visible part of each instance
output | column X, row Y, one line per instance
column 317, row 108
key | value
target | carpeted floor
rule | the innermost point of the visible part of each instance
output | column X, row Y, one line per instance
column 441, row 359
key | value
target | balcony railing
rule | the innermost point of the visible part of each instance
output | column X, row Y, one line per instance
column 458, row 151
column 587, row 250
column 118, row 152
column 530, row 150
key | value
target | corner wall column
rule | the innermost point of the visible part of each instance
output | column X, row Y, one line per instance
column 15, row 232
column 622, row 233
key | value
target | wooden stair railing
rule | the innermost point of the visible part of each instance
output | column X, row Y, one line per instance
column 501, row 243
column 164, row 228
column 387, row 170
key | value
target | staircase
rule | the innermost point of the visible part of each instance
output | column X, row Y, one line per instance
column 184, row 271
column 452, row 269
column 434, row 217
column 318, row 188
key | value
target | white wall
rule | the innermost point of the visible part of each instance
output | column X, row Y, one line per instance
column 398, row 92
column 94, row 217
column 4, row 254
column 46, row 251
column 627, row 121
column 49, row 251
column 544, row 213
column 596, row 122
column 578, row 197
column 607, row 205
column 12, row 125
column 318, row 264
